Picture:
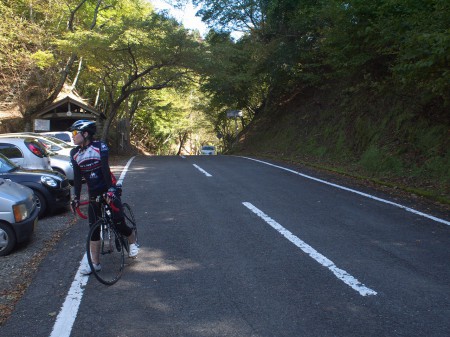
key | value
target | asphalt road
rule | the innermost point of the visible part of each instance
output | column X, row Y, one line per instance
column 235, row 247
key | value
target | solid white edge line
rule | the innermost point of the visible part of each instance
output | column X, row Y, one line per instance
column 125, row 170
column 408, row 209
column 69, row 310
column 66, row 317
column 202, row 170
column 339, row 273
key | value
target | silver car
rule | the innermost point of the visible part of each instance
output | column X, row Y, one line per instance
column 59, row 162
column 51, row 143
column 56, row 145
column 18, row 215
column 65, row 136
column 26, row 152
column 59, row 155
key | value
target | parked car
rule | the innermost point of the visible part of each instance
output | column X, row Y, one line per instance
column 208, row 150
column 52, row 189
column 26, row 152
column 58, row 162
column 18, row 215
column 65, row 136
column 61, row 164
column 56, row 145
column 60, row 142
column 51, row 143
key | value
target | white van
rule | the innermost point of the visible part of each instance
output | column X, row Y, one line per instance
column 208, row 150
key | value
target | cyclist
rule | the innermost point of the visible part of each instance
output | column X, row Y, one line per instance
column 90, row 161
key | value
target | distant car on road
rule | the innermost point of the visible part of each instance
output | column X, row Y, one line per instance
column 52, row 190
column 18, row 215
column 208, row 150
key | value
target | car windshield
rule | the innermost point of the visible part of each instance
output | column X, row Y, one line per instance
column 6, row 165
column 210, row 148
column 50, row 145
column 57, row 141
column 46, row 150
column 50, row 153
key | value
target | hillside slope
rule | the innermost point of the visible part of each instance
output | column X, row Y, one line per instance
column 382, row 138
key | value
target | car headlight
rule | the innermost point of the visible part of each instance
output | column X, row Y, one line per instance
column 20, row 212
column 49, row 181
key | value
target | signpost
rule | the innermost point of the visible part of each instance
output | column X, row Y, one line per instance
column 41, row 125
column 234, row 114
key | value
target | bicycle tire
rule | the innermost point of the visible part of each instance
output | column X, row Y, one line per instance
column 112, row 258
column 130, row 220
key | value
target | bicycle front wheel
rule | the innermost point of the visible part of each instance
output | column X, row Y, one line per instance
column 105, row 245
column 130, row 219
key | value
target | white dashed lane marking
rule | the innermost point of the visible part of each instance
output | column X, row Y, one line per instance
column 339, row 273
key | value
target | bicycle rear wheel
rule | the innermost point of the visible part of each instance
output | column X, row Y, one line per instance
column 130, row 219
column 111, row 252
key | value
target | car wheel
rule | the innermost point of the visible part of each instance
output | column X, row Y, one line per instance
column 7, row 239
column 41, row 203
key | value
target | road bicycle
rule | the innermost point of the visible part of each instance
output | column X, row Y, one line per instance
column 113, row 244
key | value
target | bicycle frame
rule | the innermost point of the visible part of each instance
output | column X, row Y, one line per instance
column 113, row 243
column 111, row 208
column 106, row 216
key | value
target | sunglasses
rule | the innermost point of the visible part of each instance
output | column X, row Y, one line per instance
column 75, row 132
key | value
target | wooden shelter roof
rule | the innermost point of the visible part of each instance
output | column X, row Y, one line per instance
column 68, row 101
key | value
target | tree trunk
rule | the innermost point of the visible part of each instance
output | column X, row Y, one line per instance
column 78, row 74
column 182, row 137
column 56, row 91
column 114, row 109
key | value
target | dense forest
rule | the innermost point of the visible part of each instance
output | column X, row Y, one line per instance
column 361, row 87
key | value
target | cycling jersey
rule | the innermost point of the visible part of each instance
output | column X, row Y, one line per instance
column 91, row 162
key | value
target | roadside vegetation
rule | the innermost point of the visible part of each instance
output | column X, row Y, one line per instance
column 361, row 88
column 358, row 87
